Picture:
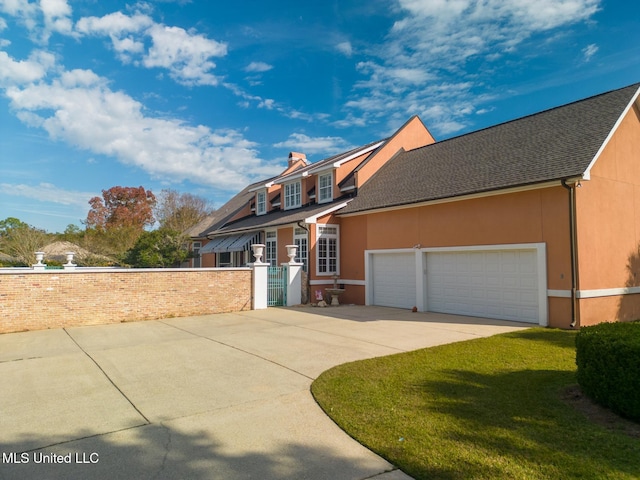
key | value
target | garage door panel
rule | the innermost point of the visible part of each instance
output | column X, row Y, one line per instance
column 496, row 284
column 394, row 279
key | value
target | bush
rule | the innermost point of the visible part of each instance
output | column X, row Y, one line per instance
column 608, row 360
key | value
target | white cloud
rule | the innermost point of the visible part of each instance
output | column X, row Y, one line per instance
column 41, row 18
column 589, row 51
column 114, row 24
column 23, row 71
column 57, row 16
column 47, row 192
column 78, row 108
column 345, row 48
column 436, row 43
column 310, row 145
column 258, row 67
column 185, row 54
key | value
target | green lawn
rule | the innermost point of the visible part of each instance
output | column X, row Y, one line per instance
column 489, row 408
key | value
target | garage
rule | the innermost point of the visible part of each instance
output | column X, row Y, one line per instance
column 501, row 284
column 394, row 279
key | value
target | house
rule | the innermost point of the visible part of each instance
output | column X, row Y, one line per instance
column 534, row 220
column 297, row 207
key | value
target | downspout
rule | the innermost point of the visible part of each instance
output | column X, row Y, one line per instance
column 308, row 286
column 573, row 251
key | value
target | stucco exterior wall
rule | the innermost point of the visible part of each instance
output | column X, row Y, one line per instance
column 33, row 300
column 412, row 135
column 608, row 226
column 532, row 216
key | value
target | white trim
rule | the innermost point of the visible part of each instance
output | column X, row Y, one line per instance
column 595, row 293
column 266, row 185
column 559, row 293
column 339, row 163
column 284, row 196
column 587, row 173
column 340, row 280
column 290, row 177
column 314, row 218
column 328, row 236
column 607, row 292
column 262, row 192
column 471, row 196
column 319, row 191
column 421, row 292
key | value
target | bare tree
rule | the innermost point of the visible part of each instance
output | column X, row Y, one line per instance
column 180, row 211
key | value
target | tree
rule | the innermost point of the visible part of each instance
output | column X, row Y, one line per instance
column 122, row 207
column 180, row 211
column 158, row 248
column 21, row 240
column 116, row 220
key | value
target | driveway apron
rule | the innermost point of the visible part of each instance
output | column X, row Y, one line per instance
column 211, row 397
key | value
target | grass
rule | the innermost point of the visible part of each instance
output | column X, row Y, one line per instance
column 489, row 408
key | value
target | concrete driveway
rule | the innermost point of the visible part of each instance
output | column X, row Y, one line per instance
column 211, row 397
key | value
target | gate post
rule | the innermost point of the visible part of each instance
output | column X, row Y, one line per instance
column 260, row 279
column 294, row 278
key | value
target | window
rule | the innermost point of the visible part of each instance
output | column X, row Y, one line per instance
column 261, row 203
column 292, row 197
column 271, row 248
column 300, row 239
column 224, row 259
column 327, row 250
column 325, row 186
column 196, row 254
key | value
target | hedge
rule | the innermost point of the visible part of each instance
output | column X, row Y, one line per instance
column 608, row 360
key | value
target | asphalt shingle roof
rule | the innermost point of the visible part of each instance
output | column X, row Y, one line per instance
column 550, row 145
column 276, row 218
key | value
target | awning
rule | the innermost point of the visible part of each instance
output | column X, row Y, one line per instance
column 231, row 243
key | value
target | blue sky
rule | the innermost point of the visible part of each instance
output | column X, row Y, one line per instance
column 204, row 96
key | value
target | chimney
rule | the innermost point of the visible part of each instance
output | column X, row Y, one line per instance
column 295, row 156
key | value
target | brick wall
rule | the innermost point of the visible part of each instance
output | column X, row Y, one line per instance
column 33, row 300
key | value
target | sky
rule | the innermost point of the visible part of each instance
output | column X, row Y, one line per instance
column 205, row 97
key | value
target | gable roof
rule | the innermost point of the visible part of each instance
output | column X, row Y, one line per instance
column 222, row 215
column 220, row 222
column 551, row 145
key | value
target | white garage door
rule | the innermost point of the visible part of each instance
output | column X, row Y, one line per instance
column 500, row 284
column 394, row 279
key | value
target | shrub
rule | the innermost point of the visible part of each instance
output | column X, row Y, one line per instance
column 608, row 360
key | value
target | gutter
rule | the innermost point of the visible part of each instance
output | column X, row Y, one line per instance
column 574, row 254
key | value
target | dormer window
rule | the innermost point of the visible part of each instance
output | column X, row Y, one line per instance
column 325, row 187
column 261, row 203
column 292, row 197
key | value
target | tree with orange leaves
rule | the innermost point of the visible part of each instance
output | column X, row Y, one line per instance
column 117, row 220
column 122, row 207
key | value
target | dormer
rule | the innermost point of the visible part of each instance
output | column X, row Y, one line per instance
column 261, row 202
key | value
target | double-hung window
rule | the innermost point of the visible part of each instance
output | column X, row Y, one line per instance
column 261, row 203
column 327, row 250
column 325, row 187
column 292, row 196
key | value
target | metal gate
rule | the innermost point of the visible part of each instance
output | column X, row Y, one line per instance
column 277, row 286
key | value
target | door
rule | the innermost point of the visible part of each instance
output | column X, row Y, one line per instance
column 393, row 278
column 501, row 284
